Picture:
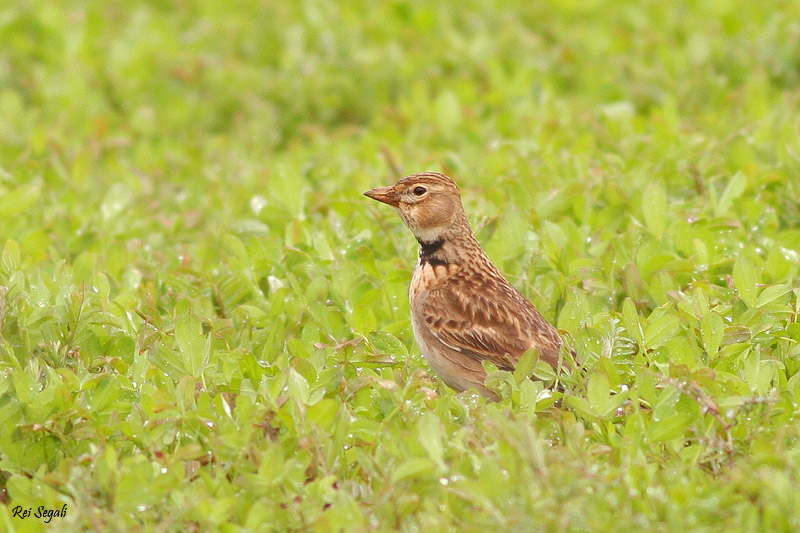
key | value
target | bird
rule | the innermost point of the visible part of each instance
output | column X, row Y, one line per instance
column 463, row 311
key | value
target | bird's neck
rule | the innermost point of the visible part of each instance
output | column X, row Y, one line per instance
column 449, row 249
column 432, row 252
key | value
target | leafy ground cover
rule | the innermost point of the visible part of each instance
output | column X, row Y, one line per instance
column 204, row 326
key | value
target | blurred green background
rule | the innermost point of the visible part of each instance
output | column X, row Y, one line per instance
column 204, row 326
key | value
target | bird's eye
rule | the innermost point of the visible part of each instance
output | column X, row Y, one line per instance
column 419, row 191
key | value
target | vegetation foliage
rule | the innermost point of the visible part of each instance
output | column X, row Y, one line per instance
column 204, row 326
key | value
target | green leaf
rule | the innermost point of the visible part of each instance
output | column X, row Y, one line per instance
column 744, row 276
column 365, row 429
column 194, row 346
column 324, row 412
column 386, row 343
column 630, row 320
column 793, row 330
column 429, row 431
column 660, row 330
column 363, row 319
column 772, row 293
column 655, row 209
column 298, row 387
column 18, row 200
column 9, row 260
column 645, row 385
column 736, row 186
column 25, row 387
column 569, row 318
column 104, row 394
column 123, row 348
column 412, row 468
column 272, row 464
column 712, row 328
column 671, row 427
column 583, row 407
column 554, row 236
column 598, row 392
column 525, row 365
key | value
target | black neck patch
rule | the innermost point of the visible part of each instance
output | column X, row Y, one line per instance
column 427, row 252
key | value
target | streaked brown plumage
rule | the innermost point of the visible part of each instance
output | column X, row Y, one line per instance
column 462, row 309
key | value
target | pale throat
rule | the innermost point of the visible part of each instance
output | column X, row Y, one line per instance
column 428, row 234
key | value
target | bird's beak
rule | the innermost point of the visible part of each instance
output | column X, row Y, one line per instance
column 387, row 195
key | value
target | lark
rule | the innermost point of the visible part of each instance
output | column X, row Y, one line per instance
column 463, row 310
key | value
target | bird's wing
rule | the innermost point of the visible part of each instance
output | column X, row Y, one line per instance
column 497, row 327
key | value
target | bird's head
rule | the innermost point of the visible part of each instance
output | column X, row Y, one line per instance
column 429, row 204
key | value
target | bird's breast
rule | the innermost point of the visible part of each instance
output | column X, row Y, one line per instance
column 429, row 274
